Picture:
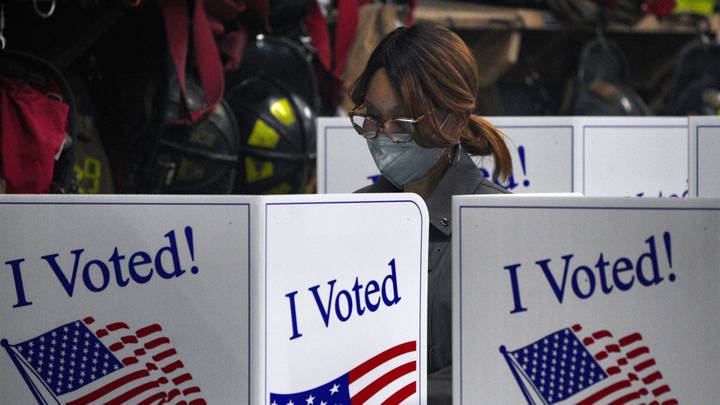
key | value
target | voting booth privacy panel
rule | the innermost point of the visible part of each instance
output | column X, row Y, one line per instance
column 595, row 156
column 704, row 152
column 586, row 300
column 255, row 300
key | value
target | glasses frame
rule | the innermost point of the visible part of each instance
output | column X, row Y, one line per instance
column 381, row 125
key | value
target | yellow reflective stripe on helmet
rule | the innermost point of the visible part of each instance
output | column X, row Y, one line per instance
column 264, row 136
column 256, row 170
column 282, row 188
column 282, row 110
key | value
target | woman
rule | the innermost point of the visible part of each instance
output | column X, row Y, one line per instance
column 414, row 103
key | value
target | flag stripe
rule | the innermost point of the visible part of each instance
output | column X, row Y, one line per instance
column 372, row 388
column 637, row 352
column 612, row 348
column 379, row 359
column 402, row 394
column 662, row 390
column 652, row 377
column 164, row 355
column 182, row 379
column 670, row 402
column 191, row 390
column 594, row 398
column 157, row 342
column 148, row 330
column 128, row 339
column 109, row 387
column 629, row 397
column 172, row 394
column 127, row 395
column 173, row 366
column 645, row 364
column 629, row 339
column 153, row 399
column 117, row 326
column 602, row 334
column 116, row 346
column 613, row 370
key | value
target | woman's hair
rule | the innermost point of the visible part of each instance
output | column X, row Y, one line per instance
column 434, row 73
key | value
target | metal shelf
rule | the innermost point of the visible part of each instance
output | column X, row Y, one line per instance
column 466, row 15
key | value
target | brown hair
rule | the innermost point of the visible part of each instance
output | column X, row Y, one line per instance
column 434, row 73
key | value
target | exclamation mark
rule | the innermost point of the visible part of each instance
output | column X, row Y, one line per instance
column 521, row 153
column 668, row 250
column 191, row 246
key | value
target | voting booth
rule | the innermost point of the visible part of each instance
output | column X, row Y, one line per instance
column 210, row 299
column 542, row 151
column 595, row 156
column 634, row 156
column 704, row 152
column 586, row 300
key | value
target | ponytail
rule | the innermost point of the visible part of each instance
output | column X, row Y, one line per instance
column 483, row 138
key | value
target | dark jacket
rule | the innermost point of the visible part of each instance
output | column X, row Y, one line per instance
column 461, row 178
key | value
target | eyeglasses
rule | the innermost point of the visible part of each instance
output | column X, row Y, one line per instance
column 397, row 129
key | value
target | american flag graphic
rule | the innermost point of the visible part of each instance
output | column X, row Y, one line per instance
column 83, row 363
column 588, row 368
column 388, row 378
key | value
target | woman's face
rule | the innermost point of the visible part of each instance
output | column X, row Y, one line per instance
column 380, row 98
column 382, row 102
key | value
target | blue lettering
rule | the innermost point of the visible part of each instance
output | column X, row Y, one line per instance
column 174, row 255
column 293, row 315
column 392, row 279
column 512, row 268
column 344, row 303
column 104, row 272
column 19, row 288
column 139, row 259
column 559, row 290
column 621, row 265
column 115, row 259
column 642, row 261
column 68, row 284
column 584, row 278
column 338, row 310
column 589, row 278
column 324, row 310
column 372, row 288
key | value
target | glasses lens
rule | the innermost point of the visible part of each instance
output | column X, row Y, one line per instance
column 400, row 131
column 364, row 126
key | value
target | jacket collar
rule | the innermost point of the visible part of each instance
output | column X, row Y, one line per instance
column 460, row 178
column 464, row 177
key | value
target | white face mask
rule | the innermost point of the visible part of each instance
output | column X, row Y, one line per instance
column 403, row 162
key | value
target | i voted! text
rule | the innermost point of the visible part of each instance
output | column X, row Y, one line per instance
column 79, row 269
column 335, row 304
column 606, row 275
